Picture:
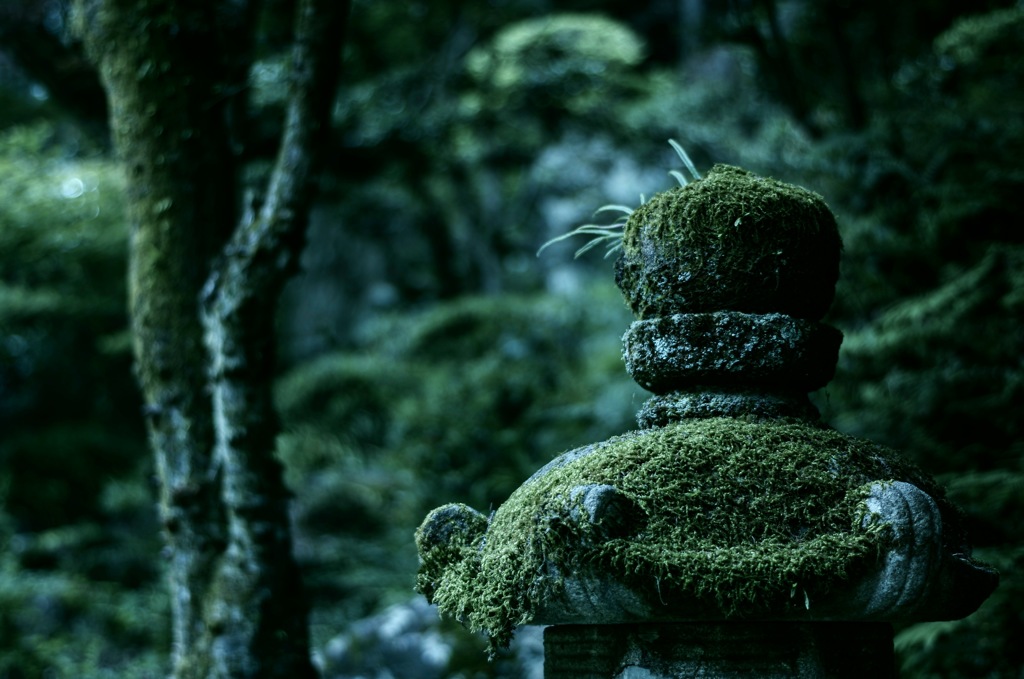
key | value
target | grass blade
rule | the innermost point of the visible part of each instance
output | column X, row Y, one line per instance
column 685, row 158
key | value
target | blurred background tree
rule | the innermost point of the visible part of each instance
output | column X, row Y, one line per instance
column 430, row 357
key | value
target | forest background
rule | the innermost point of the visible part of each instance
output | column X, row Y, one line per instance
column 428, row 356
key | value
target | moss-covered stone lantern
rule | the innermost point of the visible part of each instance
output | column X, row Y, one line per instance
column 733, row 533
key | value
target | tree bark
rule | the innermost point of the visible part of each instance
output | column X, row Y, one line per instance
column 203, row 286
column 259, row 608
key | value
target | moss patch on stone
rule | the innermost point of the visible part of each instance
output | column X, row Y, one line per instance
column 732, row 241
column 749, row 519
column 448, row 543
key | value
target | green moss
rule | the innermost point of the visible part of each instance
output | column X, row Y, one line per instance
column 986, row 41
column 746, row 518
column 350, row 395
column 449, row 537
column 575, row 61
column 732, row 241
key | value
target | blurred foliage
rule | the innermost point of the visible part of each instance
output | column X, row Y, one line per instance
column 79, row 575
column 83, row 600
column 462, row 401
column 984, row 645
column 574, row 64
column 68, row 407
column 966, row 131
column 939, row 375
column 429, row 357
column 932, row 283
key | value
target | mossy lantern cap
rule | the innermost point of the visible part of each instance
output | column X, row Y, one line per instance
column 732, row 241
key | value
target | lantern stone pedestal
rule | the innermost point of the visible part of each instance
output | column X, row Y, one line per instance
column 767, row 650
column 733, row 534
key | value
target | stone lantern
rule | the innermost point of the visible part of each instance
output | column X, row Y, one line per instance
column 734, row 533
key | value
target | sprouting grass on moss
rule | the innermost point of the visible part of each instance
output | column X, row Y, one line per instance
column 610, row 235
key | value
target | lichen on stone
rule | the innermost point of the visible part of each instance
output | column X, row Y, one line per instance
column 744, row 519
column 713, row 401
column 732, row 241
column 730, row 348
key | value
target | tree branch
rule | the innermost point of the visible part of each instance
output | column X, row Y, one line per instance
column 277, row 228
column 260, row 621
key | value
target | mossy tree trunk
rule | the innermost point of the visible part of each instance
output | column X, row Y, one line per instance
column 205, row 276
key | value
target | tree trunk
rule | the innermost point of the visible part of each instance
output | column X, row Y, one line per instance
column 203, row 287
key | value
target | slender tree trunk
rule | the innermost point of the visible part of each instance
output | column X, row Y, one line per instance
column 204, row 282
column 171, row 141
column 261, row 606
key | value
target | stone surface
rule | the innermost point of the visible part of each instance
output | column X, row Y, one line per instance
column 612, row 514
column 902, row 583
column 770, row 351
column 748, row 538
column 764, row 650
column 920, row 576
column 449, row 535
column 677, row 406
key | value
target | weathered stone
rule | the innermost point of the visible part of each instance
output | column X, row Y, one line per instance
column 611, row 513
column 449, row 535
column 450, row 527
column 767, row 650
column 711, row 519
column 919, row 577
column 677, row 406
column 731, row 349
column 902, row 584
column 733, row 504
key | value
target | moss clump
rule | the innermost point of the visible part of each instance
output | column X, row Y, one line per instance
column 572, row 61
column 732, row 241
column 739, row 518
column 450, row 537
